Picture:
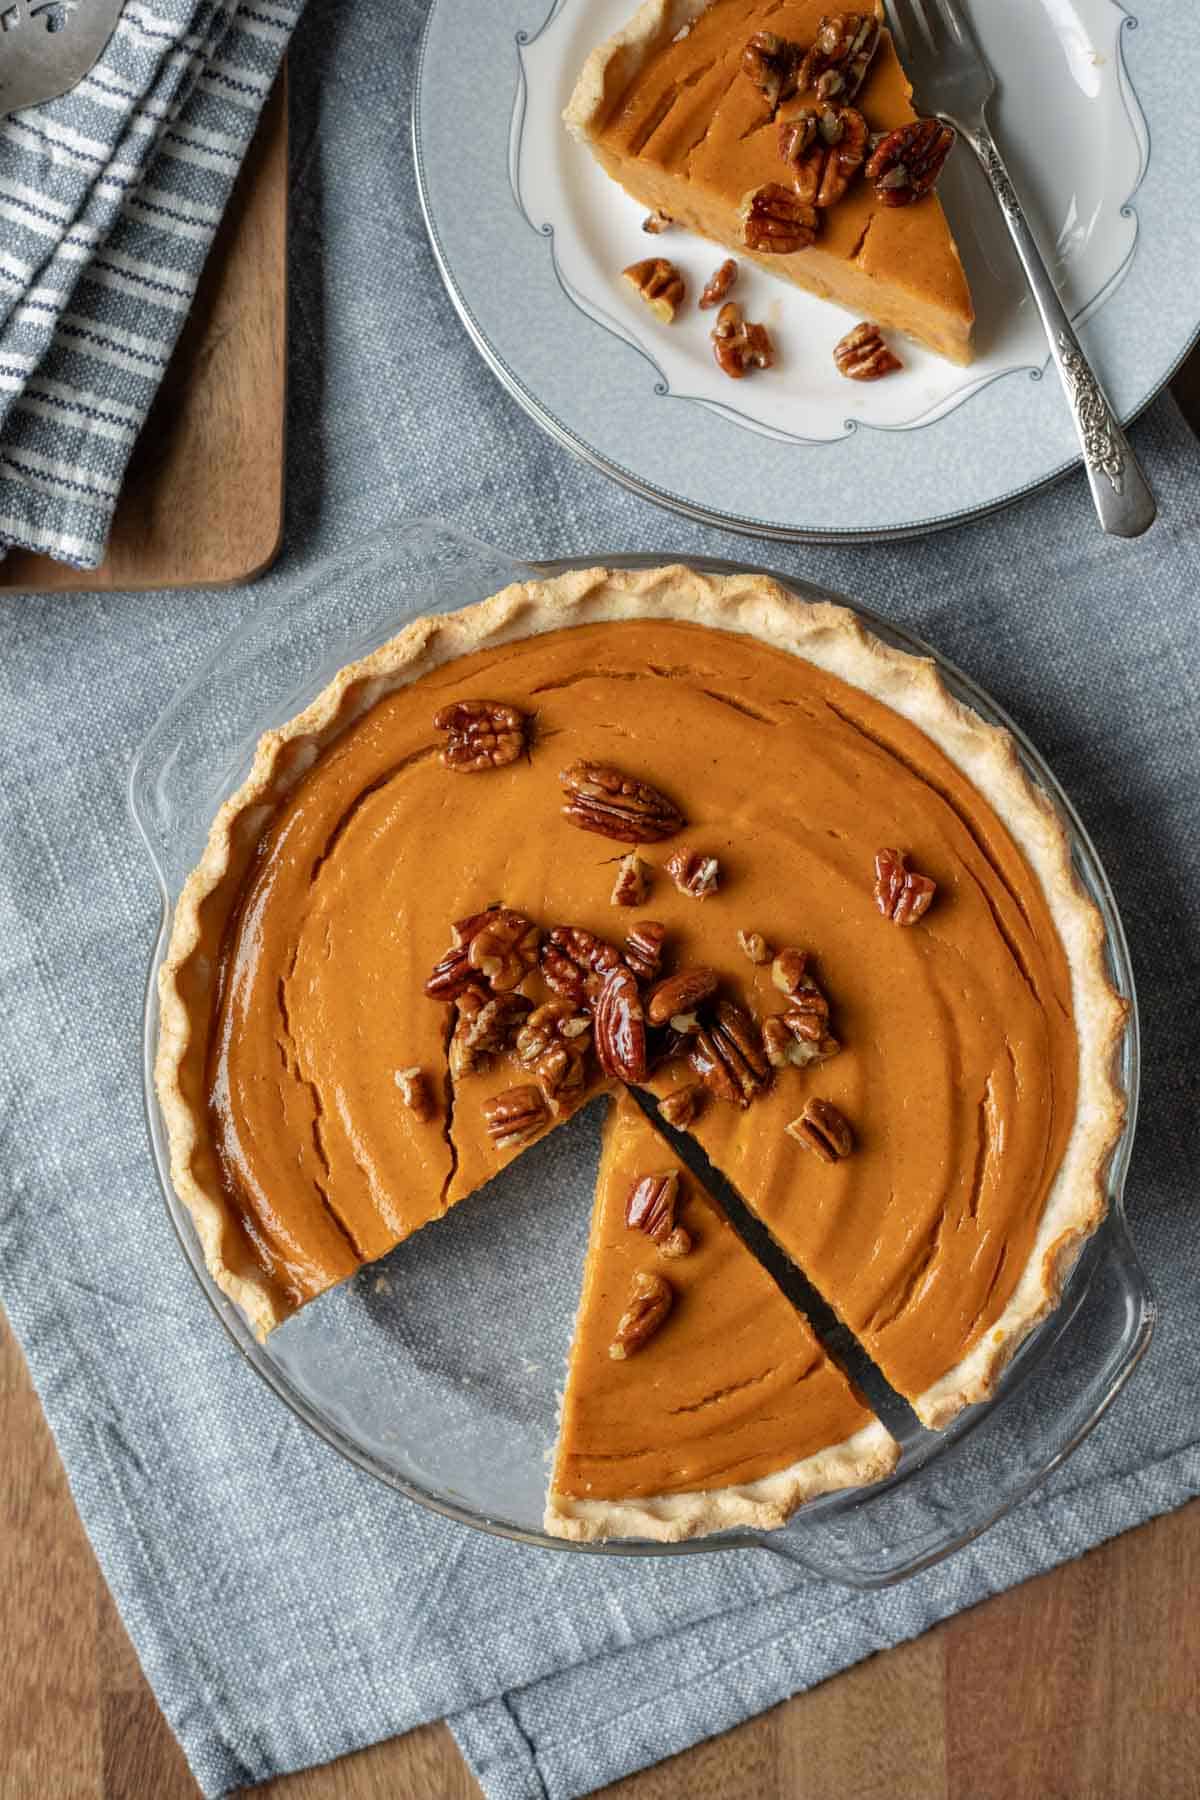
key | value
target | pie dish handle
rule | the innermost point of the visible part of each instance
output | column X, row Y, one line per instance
column 951, row 1487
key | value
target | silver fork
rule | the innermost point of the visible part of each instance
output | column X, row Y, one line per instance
column 951, row 76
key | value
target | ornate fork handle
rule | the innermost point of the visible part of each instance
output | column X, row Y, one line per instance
column 1124, row 503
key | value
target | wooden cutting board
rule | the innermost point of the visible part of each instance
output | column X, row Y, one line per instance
column 202, row 504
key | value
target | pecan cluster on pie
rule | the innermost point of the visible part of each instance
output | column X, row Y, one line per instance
column 687, row 834
column 785, row 133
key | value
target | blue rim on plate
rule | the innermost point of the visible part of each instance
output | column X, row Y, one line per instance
column 595, row 384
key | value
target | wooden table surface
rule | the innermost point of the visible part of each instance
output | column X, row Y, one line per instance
column 1081, row 1685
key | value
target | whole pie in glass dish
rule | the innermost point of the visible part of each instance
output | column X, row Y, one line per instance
column 685, row 834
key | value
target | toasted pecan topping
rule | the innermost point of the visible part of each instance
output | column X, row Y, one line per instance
column 694, row 874
column 776, row 222
column 822, row 1129
column 862, row 354
column 718, row 284
column 771, row 63
column 516, row 1116
column 738, row 344
column 906, row 163
column 836, row 63
column 659, row 284
column 651, row 1208
column 678, row 994
column 483, row 734
column 753, row 945
column 619, row 1024
column 632, row 883
column 901, row 894
column 416, row 1093
column 574, row 962
column 682, row 1105
column 649, row 1303
column 644, row 948
column 603, row 799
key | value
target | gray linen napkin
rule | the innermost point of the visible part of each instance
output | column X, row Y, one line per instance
column 109, row 200
column 287, row 1608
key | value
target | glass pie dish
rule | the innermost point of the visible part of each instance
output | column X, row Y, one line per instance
column 438, row 1368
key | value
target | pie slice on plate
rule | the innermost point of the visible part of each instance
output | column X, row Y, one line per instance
column 715, row 1406
column 670, row 110
column 440, row 913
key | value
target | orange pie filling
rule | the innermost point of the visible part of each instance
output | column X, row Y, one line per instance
column 340, row 1107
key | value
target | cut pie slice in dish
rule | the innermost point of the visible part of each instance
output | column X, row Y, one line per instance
column 669, row 111
column 440, row 912
column 714, row 1406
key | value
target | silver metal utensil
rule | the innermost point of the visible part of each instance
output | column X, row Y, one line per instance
column 953, row 80
column 48, row 46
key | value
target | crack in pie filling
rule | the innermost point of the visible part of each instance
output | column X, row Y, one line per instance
column 857, row 966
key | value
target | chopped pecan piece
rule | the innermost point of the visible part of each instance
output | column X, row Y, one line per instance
column 718, row 284
column 486, row 1024
column 651, row 1208
column 657, row 222
column 602, row 799
column 738, row 344
column 776, row 222
column 644, row 948
column 789, row 971
column 788, row 1042
column 649, row 1304
column 728, row 1055
column 516, row 1116
column 633, row 881
column 484, row 734
column 826, row 147
column 553, row 1045
column 754, row 945
column 771, row 63
column 906, row 163
column 503, row 948
column 696, row 875
column 620, row 1026
column 682, row 1105
column 575, row 961
column 659, row 284
column 901, row 894
column 679, row 994
column 862, row 354
column 822, row 1129
column 837, row 61
column 415, row 1093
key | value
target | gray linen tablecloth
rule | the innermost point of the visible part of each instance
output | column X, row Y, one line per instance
column 286, row 1607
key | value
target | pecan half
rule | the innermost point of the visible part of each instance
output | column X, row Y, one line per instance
column 718, row 284
column 603, row 799
column 644, row 948
column 659, row 283
column 484, row 734
column 415, row 1093
column 454, row 973
column 649, row 1303
column 775, row 222
column 553, row 1046
column 906, row 163
column 682, row 1105
column 680, row 994
column 728, row 1055
column 516, row 1115
column 771, row 63
column 754, row 945
column 575, row 961
column 657, row 222
column 738, row 344
column 862, row 354
column 620, row 1026
column 837, row 61
column 901, row 894
column 826, row 147
column 822, row 1129
column 696, row 875
column 486, row 1025
column 503, row 948
column 651, row 1208
column 633, row 881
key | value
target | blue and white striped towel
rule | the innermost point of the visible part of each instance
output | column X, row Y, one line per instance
column 109, row 200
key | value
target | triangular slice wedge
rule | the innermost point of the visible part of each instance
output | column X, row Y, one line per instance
column 729, row 1413
column 666, row 110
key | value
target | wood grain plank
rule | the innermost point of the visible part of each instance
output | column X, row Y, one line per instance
column 202, row 504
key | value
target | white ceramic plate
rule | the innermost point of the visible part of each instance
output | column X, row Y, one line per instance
column 1094, row 117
